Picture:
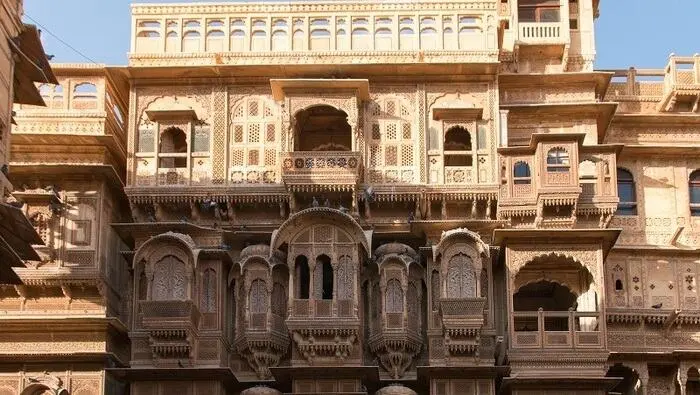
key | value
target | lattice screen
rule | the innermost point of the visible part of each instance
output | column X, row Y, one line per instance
column 392, row 156
column 254, row 141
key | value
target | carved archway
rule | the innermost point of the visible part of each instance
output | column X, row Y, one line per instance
column 320, row 215
column 164, row 262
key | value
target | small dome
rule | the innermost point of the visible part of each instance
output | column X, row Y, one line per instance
column 261, row 391
column 396, row 389
column 395, row 248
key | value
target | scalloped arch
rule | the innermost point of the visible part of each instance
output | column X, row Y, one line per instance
column 301, row 220
column 154, row 243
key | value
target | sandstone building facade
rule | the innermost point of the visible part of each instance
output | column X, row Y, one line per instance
column 434, row 197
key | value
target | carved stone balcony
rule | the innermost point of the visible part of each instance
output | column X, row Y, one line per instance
column 681, row 84
column 309, row 170
column 462, row 319
column 171, row 325
column 325, row 331
column 397, row 342
column 263, row 342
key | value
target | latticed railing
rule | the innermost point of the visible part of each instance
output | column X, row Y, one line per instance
column 309, row 166
column 556, row 329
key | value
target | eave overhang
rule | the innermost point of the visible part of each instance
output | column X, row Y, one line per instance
column 606, row 237
column 666, row 149
column 224, row 375
column 69, row 170
column 561, row 383
column 601, row 79
column 665, row 119
column 264, row 72
column 32, row 66
column 603, row 112
column 281, row 87
column 368, row 374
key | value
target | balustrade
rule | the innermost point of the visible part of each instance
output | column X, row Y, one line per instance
column 289, row 31
column 540, row 32
column 556, row 329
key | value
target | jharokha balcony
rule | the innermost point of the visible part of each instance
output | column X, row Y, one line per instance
column 570, row 330
column 308, row 168
column 558, row 182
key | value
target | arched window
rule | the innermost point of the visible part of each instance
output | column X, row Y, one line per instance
column 190, row 41
column 324, row 277
column 461, row 279
column 458, row 147
column 169, row 279
column 618, row 285
column 694, row 192
column 301, row 270
column 173, row 148
column 279, row 300
column 428, row 38
column 237, row 40
column 280, row 40
column 85, row 90
column 521, row 173
column 257, row 299
column 173, row 140
column 626, row 192
column 557, row 160
column 360, row 38
column 394, row 296
column 406, row 38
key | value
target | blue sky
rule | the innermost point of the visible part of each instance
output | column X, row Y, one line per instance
column 639, row 33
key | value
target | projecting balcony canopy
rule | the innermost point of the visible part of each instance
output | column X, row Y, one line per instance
column 457, row 113
column 282, row 87
column 32, row 66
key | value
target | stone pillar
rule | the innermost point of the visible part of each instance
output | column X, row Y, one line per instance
column 503, row 133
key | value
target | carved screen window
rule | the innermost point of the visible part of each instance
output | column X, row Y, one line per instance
column 146, row 142
column 200, row 139
column 257, row 299
column 392, row 155
column 302, row 277
column 394, row 296
column 81, row 232
column 254, row 141
column 626, row 190
column 169, row 279
column 344, row 277
column 143, row 286
column 435, row 290
column 694, row 192
column 413, row 304
column 209, row 291
column 461, row 281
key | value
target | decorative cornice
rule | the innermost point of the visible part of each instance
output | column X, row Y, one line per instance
column 309, row 7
